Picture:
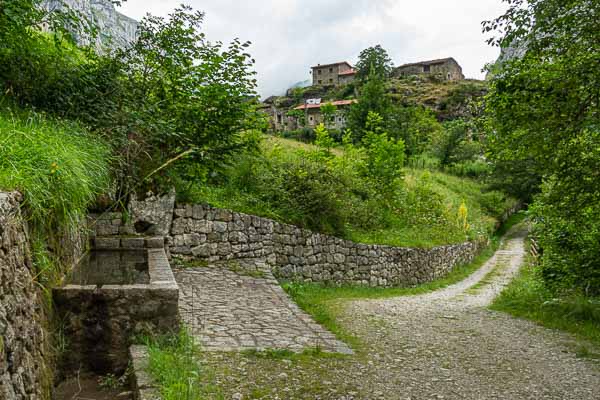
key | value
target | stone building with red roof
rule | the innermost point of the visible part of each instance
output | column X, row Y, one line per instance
column 335, row 74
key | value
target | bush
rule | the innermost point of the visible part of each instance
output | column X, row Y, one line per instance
column 569, row 237
column 471, row 168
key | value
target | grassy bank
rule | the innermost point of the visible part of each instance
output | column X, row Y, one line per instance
column 291, row 182
column 527, row 297
column 59, row 168
column 323, row 303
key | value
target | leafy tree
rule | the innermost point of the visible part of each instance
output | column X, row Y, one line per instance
column 544, row 113
column 374, row 60
column 173, row 102
column 372, row 98
column 328, row 110
column 416, row 125
column 323, row 140
column 384, row 156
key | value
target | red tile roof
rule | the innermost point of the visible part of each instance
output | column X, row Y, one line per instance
column 349, row 72
column 337, row 103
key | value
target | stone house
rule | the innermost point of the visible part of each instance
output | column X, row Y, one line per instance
column 314, row 116
column 333, row 74
column 277, row 112
column 446, row 68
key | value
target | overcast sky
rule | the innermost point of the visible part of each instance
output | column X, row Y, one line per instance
column 289, row 36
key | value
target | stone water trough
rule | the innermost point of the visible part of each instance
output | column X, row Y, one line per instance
column 122, row 288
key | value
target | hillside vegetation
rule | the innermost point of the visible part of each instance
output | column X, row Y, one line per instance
column 289, row 182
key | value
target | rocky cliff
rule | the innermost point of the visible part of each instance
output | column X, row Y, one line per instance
column 114, row 29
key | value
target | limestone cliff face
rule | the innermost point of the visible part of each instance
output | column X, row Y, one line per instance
column 114, row 29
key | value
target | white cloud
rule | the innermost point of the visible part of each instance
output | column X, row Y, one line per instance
column 289, row 36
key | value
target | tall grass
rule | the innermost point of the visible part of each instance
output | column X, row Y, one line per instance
column 59, row 168
column 175, row 365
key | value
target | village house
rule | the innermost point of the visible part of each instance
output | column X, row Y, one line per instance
column 446, row 68
column 278, row 118
column 314, row 116
column 333, row 74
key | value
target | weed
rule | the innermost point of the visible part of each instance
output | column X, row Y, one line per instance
column 175, row 364
column 112, row 382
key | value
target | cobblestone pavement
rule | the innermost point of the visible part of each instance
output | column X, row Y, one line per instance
column 229, row 311
column 440, row 345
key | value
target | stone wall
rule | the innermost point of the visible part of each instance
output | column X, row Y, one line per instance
column 297, row 254
column 100, row 320
column 24, row 359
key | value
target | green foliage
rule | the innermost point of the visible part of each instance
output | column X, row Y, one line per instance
column 416, row 126
column 58, row 166
column 294, row 183
column 328, row 110
column 373, row 60
column 172, row 100
column 384, row 156
column 323, row 140
column 174, row 362
column 543, row 112
column 372, row 99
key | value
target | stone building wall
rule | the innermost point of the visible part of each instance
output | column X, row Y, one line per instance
column 447, row 69
column 298, row 254
column 329, row 74
column 24, row 359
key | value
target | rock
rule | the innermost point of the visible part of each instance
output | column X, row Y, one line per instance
column 154, row 215
column 117, row 30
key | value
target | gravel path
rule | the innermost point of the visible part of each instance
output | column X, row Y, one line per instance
column 441, row 345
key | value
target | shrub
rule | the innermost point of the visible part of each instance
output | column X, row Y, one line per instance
column 470, row 168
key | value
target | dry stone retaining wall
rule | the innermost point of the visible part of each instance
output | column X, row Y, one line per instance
column 24, row 359
column 200, row 231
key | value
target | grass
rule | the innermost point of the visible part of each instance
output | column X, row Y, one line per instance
column 424, row 212
column 57, row 166
column 323, row 302
column 174, row 363
column 60, row 169
column 527, row 297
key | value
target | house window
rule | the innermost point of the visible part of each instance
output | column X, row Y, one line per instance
column 330, row 69
column 426, row 68
column 279, row 118
column 320, row 81
column 330, row 80
column 449, row 76
column 320, row 71
column 311, row 119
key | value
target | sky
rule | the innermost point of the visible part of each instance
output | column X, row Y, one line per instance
column 290, row 36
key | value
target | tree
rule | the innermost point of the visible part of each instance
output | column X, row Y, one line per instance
column 374, row 60
column 372, row 98
column 544, row 114
column 384, row 156
column 328, row 110
column 417, row 126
